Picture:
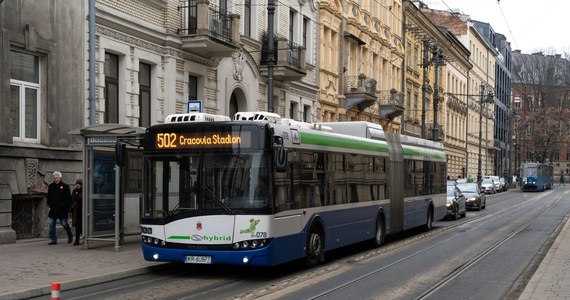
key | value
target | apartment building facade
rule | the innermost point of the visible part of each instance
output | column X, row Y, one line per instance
column 42, row 92
column 502, row 92
column 361, row 55
column 480, row 91
column 437, row 64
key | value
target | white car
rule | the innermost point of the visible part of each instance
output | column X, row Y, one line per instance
column 498, row 186
column 488, row 186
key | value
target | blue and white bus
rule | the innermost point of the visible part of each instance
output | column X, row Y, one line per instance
column 261, row 190
column 537, row 177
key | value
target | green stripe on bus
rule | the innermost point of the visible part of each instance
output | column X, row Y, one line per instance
column 340, row 142
column 179, row 237
column 423, row 153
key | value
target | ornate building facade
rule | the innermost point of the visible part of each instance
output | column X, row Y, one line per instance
column 361, row 59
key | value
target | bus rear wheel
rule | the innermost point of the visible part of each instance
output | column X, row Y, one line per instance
column 315, row 247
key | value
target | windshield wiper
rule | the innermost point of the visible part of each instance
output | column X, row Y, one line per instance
column 220, row 201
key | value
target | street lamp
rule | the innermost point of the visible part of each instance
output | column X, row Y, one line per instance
column 489, row 99
column 437, row 61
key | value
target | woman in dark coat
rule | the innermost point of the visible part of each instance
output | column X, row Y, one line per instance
column 76, row 209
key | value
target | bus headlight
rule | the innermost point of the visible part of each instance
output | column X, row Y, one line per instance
column 250, row 244
column 153, row 241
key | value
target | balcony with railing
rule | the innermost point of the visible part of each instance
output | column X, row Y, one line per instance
column 289, row 59
column 391, row 104
column 207, row 30
column 360, row 92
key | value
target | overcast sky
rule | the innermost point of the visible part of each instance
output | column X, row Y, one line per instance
column 529, row 25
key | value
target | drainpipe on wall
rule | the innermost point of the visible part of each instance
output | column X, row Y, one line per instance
column 92, row 62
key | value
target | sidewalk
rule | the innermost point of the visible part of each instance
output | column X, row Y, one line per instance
column 30, row 266
column 552, row 278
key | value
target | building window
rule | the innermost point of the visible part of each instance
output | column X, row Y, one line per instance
column 111, row 88
column 192, row 88
column 223, row 6
column 307, row 113
column 306, row 30
column 247, row 18
column 292, row 20
column 294, row 110
column 144, row 95
column 24, row 96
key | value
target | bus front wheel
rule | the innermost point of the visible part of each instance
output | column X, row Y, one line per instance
column 315, row 247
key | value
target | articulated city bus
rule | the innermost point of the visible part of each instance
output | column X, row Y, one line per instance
column 262, row 190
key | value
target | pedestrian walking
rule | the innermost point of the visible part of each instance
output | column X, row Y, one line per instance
column 76, row 210
column 561, row 180
column 59, row 202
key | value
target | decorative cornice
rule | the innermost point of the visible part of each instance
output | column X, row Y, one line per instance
column 312, row 96
column 140, row 43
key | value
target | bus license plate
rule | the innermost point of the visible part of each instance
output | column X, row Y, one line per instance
column 198, row 259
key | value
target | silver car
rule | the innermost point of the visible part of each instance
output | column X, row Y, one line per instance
column 488, row 186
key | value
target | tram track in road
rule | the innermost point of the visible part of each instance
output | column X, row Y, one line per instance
column 528, row 220
column 442, row 283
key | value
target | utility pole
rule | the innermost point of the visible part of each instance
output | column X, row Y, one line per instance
column 482, row 101
column 425, row 65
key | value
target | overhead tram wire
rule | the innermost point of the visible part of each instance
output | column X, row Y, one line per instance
column 451, row 10
column 507, row 23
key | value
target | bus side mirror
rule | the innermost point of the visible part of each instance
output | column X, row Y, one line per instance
column 281, row 159
column 281, row 163
column 120, row 153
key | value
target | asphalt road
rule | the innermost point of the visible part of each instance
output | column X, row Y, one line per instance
column 491, row 254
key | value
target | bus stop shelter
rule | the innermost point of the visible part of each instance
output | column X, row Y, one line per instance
column 111, row 194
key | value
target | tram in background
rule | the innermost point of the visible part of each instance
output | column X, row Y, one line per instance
column 263, row 190
column 537, row 177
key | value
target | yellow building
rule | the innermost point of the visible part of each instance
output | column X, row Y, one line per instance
column 361, row 54
column 437, row 66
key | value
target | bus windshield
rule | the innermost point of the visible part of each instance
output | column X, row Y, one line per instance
column 205, row 183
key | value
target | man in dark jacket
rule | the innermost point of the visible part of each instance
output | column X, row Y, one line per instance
column 58, row 201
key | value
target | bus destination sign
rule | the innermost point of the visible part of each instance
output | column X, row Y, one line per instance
column 176, row 140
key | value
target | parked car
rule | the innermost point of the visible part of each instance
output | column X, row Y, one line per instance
column 504, row 184
column 488, row 186
column 456, row 203
column 475, row 199
column 497, row 181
